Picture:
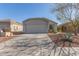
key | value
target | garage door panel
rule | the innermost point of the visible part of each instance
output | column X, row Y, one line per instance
column 37, row 28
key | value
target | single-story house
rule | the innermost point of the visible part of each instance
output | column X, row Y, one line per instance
column 10, row 26
column 38, row 25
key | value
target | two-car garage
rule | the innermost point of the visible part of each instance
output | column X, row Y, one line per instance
column 36, row 28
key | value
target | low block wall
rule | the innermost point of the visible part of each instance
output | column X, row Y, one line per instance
column 6, row 34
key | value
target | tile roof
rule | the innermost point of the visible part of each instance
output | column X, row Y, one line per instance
column 45, row 19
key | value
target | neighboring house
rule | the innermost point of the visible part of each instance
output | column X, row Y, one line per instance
column 11, row 25
column 67, row 27
column 38, row 25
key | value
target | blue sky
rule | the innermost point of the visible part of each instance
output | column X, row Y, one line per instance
column 20, row 12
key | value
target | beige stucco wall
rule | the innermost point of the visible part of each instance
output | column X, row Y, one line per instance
column 16, row 27
column 54, row 25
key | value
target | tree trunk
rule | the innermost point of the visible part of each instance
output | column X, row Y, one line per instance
column 75, row 32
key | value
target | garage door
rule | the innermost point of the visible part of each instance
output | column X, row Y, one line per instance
column 37, row 28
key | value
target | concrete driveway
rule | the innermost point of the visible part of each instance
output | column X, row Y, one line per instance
column 27, row 44
column 31, row 45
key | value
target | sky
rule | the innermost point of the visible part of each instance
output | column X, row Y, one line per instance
column 21, row 11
